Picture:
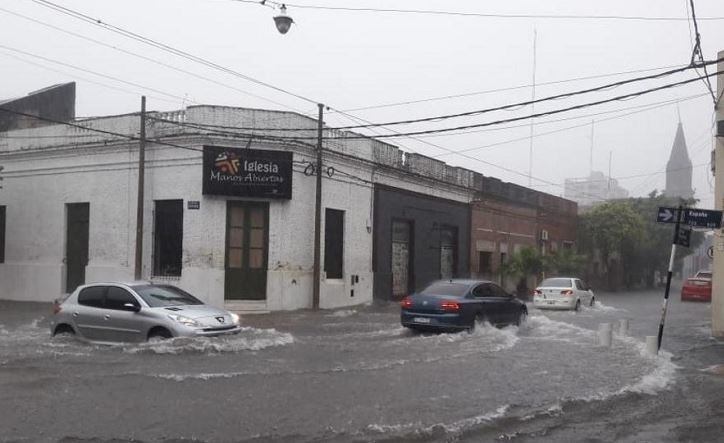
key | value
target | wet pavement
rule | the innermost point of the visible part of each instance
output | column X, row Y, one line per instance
column 356, row 375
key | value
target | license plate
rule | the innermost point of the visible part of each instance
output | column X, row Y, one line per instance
column 421, row 320
column 551, row 302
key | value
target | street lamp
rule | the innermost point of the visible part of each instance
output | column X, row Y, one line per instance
column 283, row 21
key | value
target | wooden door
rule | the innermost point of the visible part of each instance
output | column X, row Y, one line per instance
column 247, row 240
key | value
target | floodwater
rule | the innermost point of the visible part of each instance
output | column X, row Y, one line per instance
column 356, row 375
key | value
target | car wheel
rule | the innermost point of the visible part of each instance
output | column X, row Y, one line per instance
column 522, row 317
column 593, row 301
column 578, row 305
column 63, row 331
column 479, row 319
column 159, row 334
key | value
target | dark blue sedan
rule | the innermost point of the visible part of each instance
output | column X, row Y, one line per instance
column 457, row 304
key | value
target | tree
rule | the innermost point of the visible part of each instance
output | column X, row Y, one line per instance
column 613, row 230
column 521, row 265
column 565, row 262
column 625, row 239
column 654, row 253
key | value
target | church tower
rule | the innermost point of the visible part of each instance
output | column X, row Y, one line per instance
column 678, row 169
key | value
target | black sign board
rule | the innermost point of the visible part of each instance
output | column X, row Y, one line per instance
column 247, row 172
column 702, row 218
column 698, row 218
column 193, row 204
column 683, row 237
column 666, row 215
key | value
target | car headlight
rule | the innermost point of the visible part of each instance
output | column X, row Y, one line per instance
column 235, row 318
column 184, row 320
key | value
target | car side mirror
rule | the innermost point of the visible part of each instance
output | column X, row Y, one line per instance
column 131, row 307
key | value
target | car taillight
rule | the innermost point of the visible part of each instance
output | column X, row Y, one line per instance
column 537, row 292
column 56, row 308
column 449, row 305
column 406, row 302
column 567, row 292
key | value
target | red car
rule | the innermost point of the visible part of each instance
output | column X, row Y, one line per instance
column 697, row 288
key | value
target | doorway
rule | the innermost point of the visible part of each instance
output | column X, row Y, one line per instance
column 76, row 244
column 247, row 240
column 401, row 258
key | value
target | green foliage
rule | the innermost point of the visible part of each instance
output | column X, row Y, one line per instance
column 523, row 264
column 565, row 262
column 630, row 244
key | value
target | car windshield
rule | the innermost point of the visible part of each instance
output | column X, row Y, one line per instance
column 446, row 288
column 556, row 283
column 158, row 296
column 703, row 275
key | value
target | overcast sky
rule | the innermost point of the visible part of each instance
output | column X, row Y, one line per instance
column 355, row 59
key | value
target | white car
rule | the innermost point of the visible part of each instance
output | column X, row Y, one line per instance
column 563, row 293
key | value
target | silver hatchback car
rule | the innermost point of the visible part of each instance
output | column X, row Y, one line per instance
column 136, row 312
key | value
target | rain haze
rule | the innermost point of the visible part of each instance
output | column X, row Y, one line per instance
column 188, row 255
column 380, row 61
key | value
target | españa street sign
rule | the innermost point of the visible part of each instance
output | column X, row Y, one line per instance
column 702, row 218
column 697, row 218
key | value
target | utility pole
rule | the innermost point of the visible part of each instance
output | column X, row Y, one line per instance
column 590, row 162
column 139, row 205
column 532, row 111
column 318, row 213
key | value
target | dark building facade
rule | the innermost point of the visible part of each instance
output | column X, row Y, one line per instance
column 417, row 239
column 55, row 103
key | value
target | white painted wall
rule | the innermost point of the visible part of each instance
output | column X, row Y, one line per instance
column 69, row 165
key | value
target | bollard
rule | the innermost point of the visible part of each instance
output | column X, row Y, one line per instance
column 652, row 345
column 623, row 327
column 604, row 334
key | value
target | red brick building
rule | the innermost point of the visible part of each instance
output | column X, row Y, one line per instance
column 506, row 218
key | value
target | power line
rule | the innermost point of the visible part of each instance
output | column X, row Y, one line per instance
column 511, row 88
column 148, row 59
column 543, row 114
column 514, row 119
column 470, row 94
column 541, row 100
column 158, row 142
column 483, row 15
column 568, row 128
column 110, row 77
column 164, row 47
column 135, row 93
column 100, row 131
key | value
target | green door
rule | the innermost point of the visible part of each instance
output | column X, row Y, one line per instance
column 247, row 240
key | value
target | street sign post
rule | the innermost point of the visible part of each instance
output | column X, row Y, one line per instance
column 685, row 219
column 664, row 216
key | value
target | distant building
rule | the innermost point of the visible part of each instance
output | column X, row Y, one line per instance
column 678, row 169
column 56, row 103
column 595, row 188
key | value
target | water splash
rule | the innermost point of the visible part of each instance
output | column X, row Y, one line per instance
column 249, row 339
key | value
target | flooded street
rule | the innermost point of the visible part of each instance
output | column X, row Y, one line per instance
column 357, row 375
